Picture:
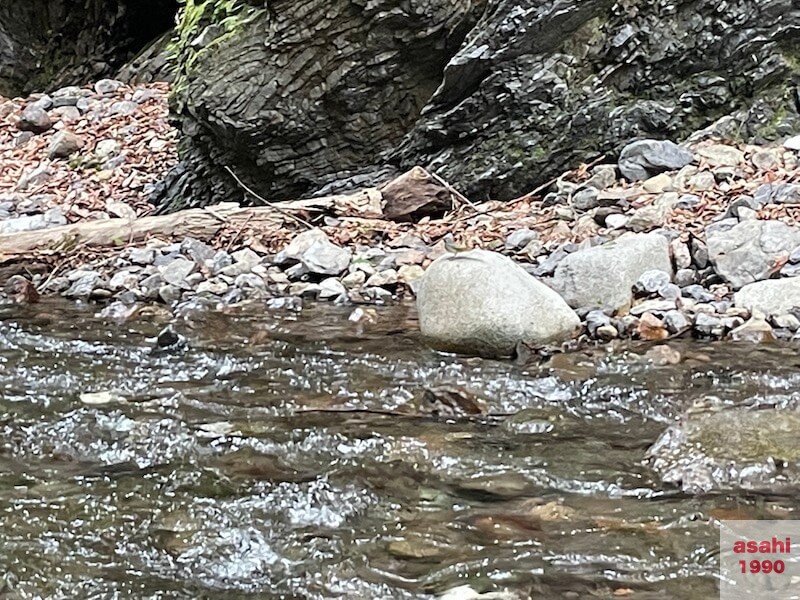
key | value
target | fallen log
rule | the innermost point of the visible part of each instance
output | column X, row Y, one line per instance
column 414, row 191
column 200, row 223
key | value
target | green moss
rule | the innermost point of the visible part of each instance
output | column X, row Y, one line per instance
column 219, row 21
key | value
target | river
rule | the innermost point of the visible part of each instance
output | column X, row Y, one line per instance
column 236, row 468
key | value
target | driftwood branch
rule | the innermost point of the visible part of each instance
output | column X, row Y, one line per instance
column 197, row 222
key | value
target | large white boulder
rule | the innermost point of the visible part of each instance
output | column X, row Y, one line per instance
column 774, row 297
column 483, row 303
column 605, row 274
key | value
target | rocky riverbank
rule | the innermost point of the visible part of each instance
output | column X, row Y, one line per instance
column 699, row 239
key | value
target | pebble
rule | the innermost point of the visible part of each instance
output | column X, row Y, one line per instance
column 706, row 325
column 675, row 321
column 650, row 282
column 520, row 238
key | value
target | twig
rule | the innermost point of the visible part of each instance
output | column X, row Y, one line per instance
column 238, row 233
column 453, row 191
column 50, row 277
column 366, row 411
column 250, row 191
column 393, row 413
column 547, row 184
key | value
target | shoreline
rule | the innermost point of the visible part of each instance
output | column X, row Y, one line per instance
column 729, row 215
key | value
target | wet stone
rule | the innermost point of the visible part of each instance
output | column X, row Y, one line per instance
column 684, row 277
column 675, row 321
column 752, row 449
column 706, row 325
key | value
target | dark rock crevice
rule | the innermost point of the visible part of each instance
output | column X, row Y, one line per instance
column 46, row 44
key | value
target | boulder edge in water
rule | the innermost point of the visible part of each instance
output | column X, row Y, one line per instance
column 483, row 303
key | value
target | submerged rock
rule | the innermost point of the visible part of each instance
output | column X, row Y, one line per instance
column 604, row 275
column 483, row 303
column 752, row 449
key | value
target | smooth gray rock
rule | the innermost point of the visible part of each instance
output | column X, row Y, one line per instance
column 773, row 297
column 604, row 275
column 483, row 303
column 586, row 198
column 644, row 158
column 124, row 107
column 675, row 321
column 107, row 86
column 747, row 252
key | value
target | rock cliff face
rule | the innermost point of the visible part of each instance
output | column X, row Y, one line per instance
column 496, row 96
column 46, row 44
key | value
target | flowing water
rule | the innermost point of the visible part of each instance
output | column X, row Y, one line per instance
column 235, row 468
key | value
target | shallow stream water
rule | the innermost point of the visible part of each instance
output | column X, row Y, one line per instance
column 236, row 468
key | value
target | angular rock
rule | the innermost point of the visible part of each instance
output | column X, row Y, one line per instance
column 176, row 272
column 756, row 330
column 721, row 155
column 706, row 325
column 34, row 119
column 520, row 238
column 316, row 253
column 773, row 297
column 483, row 303
column 83, row 283
column 64, row 144
column 331, row 288
column 748, row 252
column 645, row 158
column 604, row 275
